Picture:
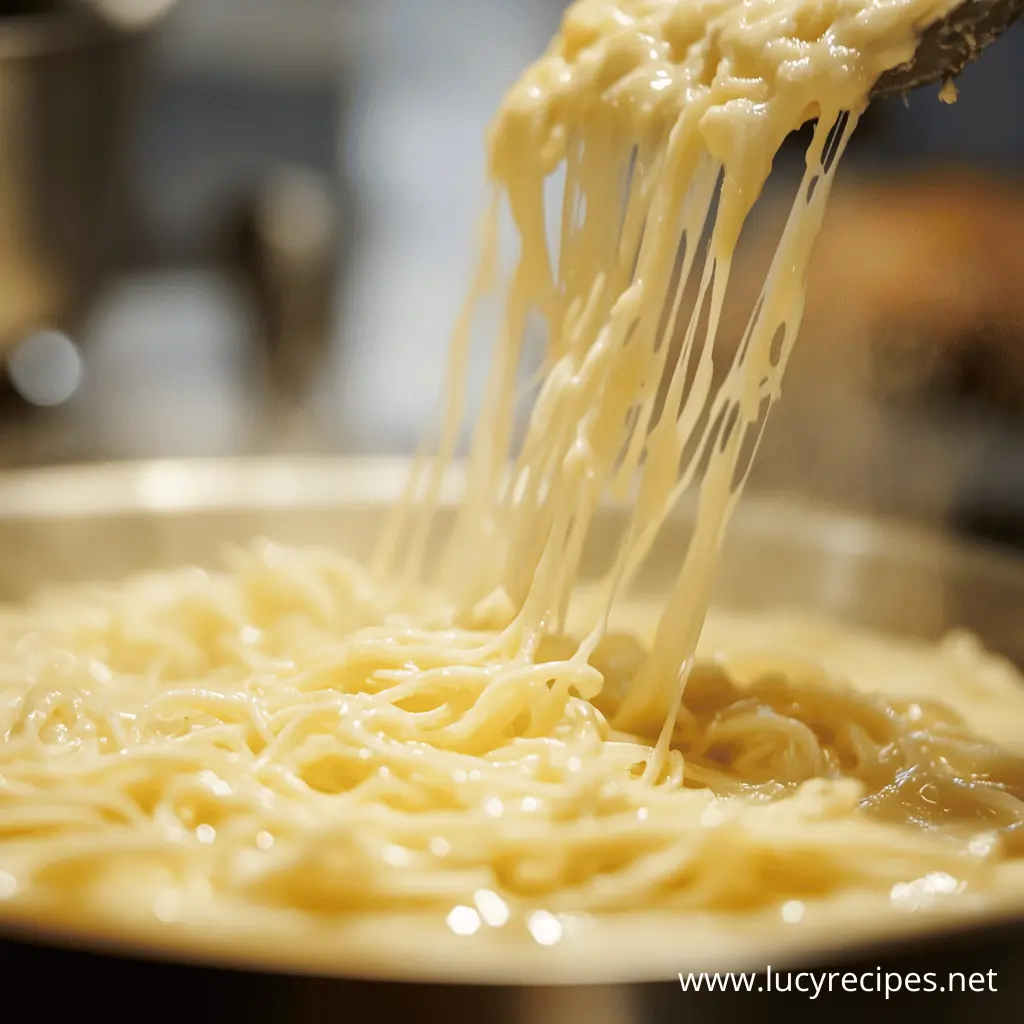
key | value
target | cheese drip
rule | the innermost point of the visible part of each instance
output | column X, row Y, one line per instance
column 658, row 111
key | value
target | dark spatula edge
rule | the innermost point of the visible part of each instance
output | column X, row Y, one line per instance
column 949, row 45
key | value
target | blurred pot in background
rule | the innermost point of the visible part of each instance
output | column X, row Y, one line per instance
column 71, row 76
column 82, row 203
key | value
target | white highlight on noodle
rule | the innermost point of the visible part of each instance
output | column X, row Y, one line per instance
column 545, row 928
column 464, row 921
column 492, row 908
column 793, row 911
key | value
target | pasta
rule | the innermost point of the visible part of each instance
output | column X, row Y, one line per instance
column 457, row 731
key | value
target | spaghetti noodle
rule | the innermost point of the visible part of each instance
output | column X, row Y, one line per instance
column 464, row 736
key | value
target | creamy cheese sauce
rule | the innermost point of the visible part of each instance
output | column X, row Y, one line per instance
column 457, row 757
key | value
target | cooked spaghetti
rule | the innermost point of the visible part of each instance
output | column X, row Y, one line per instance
column 296, row 740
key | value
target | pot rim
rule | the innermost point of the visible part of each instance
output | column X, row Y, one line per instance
column 182, row 485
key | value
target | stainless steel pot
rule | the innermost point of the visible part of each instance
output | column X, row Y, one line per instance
column 70, row 77
column 72, row 83
column 95, row 522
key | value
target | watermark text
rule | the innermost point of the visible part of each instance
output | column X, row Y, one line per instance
column 815, row 984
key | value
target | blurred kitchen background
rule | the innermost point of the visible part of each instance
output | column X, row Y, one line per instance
column 241, row 226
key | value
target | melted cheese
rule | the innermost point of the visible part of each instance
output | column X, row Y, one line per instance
column 455, row 755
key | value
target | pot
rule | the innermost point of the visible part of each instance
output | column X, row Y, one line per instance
column 73, row 82
column 100, row 522
column 69, row 83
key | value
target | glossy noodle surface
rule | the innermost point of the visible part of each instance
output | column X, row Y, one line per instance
column 455, row 734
